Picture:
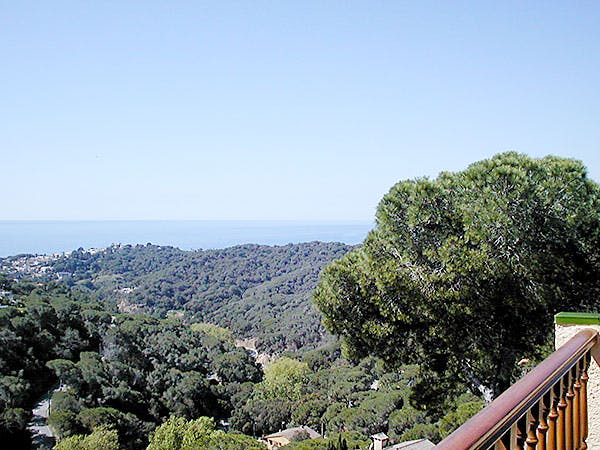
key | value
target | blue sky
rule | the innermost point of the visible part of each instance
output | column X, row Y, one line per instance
column 280, row 110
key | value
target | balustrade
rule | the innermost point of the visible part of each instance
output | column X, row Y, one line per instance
column 546, row 410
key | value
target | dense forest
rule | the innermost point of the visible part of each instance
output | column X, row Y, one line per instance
column 256, row 291
column 115, row 377
column 39, row 323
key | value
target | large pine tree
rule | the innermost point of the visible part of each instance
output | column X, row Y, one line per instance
column 462, row 274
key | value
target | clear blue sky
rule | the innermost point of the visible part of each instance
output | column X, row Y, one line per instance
column 280, row 109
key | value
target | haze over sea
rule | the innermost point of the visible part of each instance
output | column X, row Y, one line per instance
column 57, row 236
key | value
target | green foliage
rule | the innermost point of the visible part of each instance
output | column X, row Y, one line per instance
column 337, row 441
column 422, row 431
column 253, row 290
column 284, row 379
column 235, row 441
column 13, row 391
column 200, row 434
column 13, row 421
column 131, row 372
column 455, row 418
column 223, row 334
column 149, row 369
column 101, row 438
column 403, row 420
column 345, row 396
column 41, row 323
column 259, row 417
column 464, row 273
column 323, row 357
column 63, row 415
column 169, row 435
column 234, row 366
column 71, row 443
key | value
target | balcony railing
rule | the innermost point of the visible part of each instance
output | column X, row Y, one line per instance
column 546, row 410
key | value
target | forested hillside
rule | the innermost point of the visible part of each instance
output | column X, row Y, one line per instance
column 254, row 290
column 38, row 323
column 116, row 377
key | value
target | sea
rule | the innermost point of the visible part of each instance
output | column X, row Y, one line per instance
column 58, row 236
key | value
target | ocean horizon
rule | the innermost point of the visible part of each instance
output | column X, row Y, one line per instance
column 59, row 236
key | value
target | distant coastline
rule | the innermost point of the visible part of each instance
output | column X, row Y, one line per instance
column 58, row 236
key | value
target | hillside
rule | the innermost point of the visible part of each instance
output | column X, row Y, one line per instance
column 254, row 290
column 129, row 373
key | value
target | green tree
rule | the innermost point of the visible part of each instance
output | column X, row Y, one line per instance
column 463, row 274
column 259, row 416
column 13, row 391
column 169, row 435
column 284, row 379
column 63, row 414
column 131, row 430
column 102, row 438
column 179, row 434
column 188, row 394
column 67, row 372
column 234, row 441
column 210, row 329
column 342, row 441
column 236, row 366
column 12, row 423
column 456, row 417
column 403, row 419
column 198, row 434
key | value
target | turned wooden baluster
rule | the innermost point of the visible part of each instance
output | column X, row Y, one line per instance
column 542, row 428
column 576, row 405
column 569, row 411
column 516, row 437
column 553, row 416
column 583, row 403
column 520, row 433
column 532, row 424
column 561, row 421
